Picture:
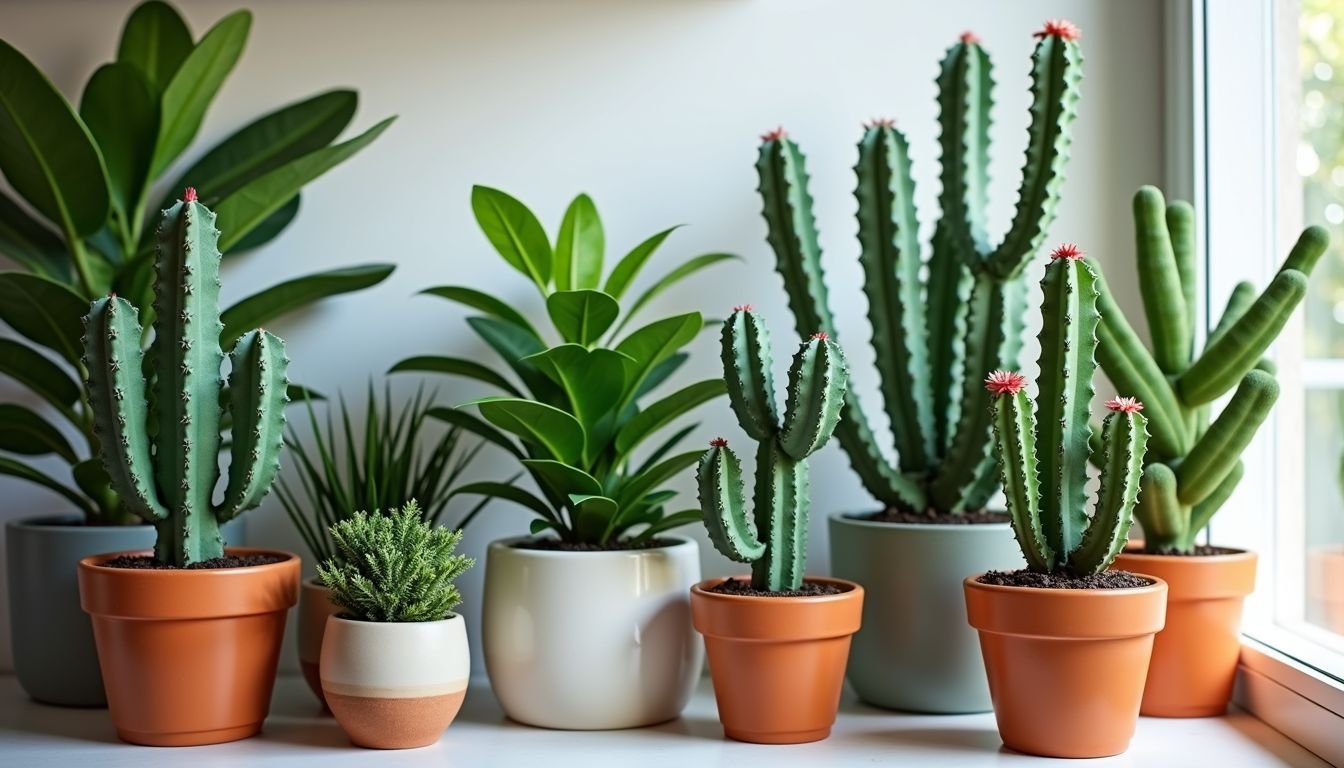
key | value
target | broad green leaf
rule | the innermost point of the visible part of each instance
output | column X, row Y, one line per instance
column 269, row 229
column 666, row 446
column 579, row 246
column 551, row 429
column 515, row 233
column 19, row 469
column 652, row 344
column 629, row 266
column 46, row 151
column 634, row 489
column 672, row 278
column 487, row 303
column 593, row 516
column 279, row 300
column 122, row 113
column 513, row 344
column 456, row 366
column 250, row 205
column 31, row 244
column 38, row 373
column 44, row 311
column 470, row 423
column 508, row 493
column 194, row 85
column 561, row 479
column 23, row 431
column 664, row 411
column 91, row 478
column 538, row 525
column 661, row 372
column 593, row 380
column 582, row 316
column 155, row 41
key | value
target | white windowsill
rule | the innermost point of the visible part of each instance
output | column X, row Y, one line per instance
column 33, row 735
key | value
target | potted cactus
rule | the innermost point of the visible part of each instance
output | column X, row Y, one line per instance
column 937, row 325
column 1194, row 462
column 1065, row 624
column 188, row 635
column 585, row 623
column 394, row 660
column 777, row 641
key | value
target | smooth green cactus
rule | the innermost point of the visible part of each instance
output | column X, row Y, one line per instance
column 934, row 332
column 1043, row 455
column 163, row 459
column 1194, row 465
column 818, row 380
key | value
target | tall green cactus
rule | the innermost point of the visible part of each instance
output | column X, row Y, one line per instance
column 1043, row 455
column 818, row 379
column 1194, row 465
column 933, row 336
column 160, row 440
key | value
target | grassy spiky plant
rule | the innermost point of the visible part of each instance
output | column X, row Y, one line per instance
column 394, row 567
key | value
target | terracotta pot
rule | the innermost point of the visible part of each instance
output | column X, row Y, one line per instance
column 314, row 608
column 1066, row 666
column 778, row 663
column 188, row 657
column 1325, row 588
column 395, row 685
column 1195, row 657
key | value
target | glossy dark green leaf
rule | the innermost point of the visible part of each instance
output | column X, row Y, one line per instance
column 515, row 233
column 279, row 300
column 593, row 380
column 485, row 302
column 38, row 373
column 666, row 410
column 593, row 517
column 582, row 316
column 155, row 41
column 508, row 493
column 455, row 366
column 269, row 229
column 672, row 278
column 513, row 344
column 627, row 269
column 18, row 469
column 649, row 479
column 557, row 433
column 460, row 418
column 652, row 344
column 562, row 479
column 23, row 431
column 30, row 243
column 579, row 247
column 44, row 311
column 122, row 113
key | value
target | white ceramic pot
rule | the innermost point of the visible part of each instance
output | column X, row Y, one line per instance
column 591, row 640
column 395, row 685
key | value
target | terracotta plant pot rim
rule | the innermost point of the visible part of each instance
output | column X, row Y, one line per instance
column 1136, row 550
column 1080, row 594
column 95, row 563
column 848, row 587
column 176, row 594
column 681, row 542
column 965, row 528
column 1080, row 614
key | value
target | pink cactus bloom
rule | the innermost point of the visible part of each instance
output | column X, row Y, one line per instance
column 1067, row 251
column 189, row 196
column 779, row 134
column 1124, row 405
column 1061, row 28
column 1005, row 382
column 744, row 308
column 718, row 442
column 970, row 38
column 820, row 336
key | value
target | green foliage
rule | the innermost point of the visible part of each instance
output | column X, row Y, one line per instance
column 383, row 468
column 775, row 541
column 1194, row 464
column 575, row 411
column 163, row 461
column 937, row 323
column 90, row 177
column 1043, row 455
column 394, row 566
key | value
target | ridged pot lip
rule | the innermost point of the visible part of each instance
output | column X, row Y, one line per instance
column 847, row 518
column 1134, row 550
column 1155, row 585
column 853, row 591
column 68, row 523
column 683, row 545
column 94, row 564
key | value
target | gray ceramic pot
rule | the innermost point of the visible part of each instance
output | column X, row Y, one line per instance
column 54, row 656
column 915, row 651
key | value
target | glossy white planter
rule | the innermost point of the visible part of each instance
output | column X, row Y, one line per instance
column 394, row 685
column 591, row 640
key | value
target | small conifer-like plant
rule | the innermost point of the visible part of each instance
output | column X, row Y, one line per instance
column 394, row 567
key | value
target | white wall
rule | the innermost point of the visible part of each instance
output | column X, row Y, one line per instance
column 654, row 109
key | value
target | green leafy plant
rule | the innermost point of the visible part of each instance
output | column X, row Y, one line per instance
column 88, row 178
column 394, row 566
column 384, row 468
column 1043, row 455
column 163, row 460
column 937, row 324
column 776, row 542
column 575, row 412
column 1194, row 464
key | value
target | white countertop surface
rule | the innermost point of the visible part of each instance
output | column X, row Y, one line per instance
column 297, row 734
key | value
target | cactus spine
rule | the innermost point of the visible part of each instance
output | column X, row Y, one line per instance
column 775, row 543
column 1043, row 455
column 1194, row 465
column 933, row 337
column 163, row 459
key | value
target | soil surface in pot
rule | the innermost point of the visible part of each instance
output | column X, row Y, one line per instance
column 1103, row 580
column 743, row 587
column 893, row 515
column 1203, row 550
column 556, row 545
column 145, row 562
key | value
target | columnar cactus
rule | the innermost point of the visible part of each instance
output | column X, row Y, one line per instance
column 1043, row 455
column 934, row 332
column 160, row 441
column 818, row 379
column 1194, row 465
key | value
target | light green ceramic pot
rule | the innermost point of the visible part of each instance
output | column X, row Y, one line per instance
column 915, row 651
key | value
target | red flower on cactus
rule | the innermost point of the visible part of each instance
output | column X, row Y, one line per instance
column 1124, row 405
column 778, row 134
column 821, row 336
column 881, row 122
column 189, row 196
column 970, row 38
column 1005, row 382
column 1067, row 251
column 1061, row 28
column 718, row 442
column 744, row 308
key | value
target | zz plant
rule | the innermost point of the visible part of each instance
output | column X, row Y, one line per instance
column 776, row 542
column 163, row 460
column 938, row 323
column 1043, row 455
column 89, row 176
column 576, row 410
column 1193, row 465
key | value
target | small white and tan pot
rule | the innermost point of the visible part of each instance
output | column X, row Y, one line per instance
column 395, row 685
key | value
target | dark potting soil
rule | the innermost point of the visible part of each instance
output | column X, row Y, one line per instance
column 1203, row 550
column 556, row 545
column 893, row 515
column 1103, row 580
column 145, row 562
column 743, row 587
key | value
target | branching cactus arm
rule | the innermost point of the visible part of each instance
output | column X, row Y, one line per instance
column 1124, row 439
